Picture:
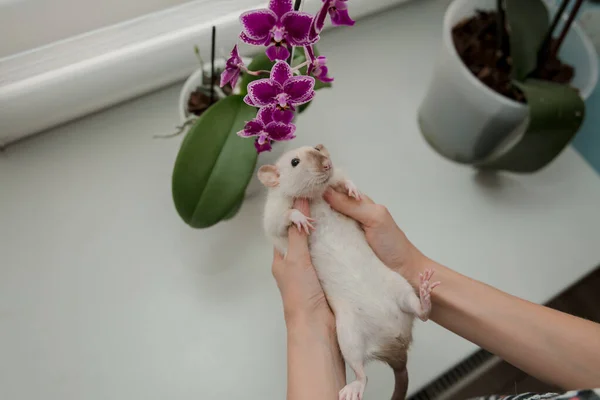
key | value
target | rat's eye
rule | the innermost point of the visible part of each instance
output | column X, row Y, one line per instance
column 317, row 149
column 295, row 162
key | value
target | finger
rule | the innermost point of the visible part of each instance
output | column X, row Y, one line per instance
column 277, row 262
column 277, row 257
column 358, row 210
column 298, row 240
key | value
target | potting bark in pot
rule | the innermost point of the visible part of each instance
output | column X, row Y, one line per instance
column 503, row 96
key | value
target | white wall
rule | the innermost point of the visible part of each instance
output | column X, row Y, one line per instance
column 26, row 24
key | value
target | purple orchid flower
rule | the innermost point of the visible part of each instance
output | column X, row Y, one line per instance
column 277, row 27
column 261, row 148
column 233, row 67
column 282, row 89
column 271, row 124
column 318, row 69
column 337, row 10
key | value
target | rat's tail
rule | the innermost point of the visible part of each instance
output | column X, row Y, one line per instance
column 401, row 385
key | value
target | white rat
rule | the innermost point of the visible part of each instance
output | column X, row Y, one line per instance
column 374, row 306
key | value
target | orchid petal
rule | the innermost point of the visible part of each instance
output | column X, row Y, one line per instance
column 265, row 114
column 262, row 138
column 299, row 87
column 235, row 58
column 340, row 16
column 260, row 148
column 280, row 7
column 255, row 42
column 279, row 131
column 252, row 128
column 226, row 77
column 281, row 72
column 319, row 21
column 257, row 24
column 297, row 25
column 263, row 92
column 306, row 99
column 277, row 52
column 229, row 76
column 309, row 54
column 248, row 100
column 285, row 116
column 322, row 74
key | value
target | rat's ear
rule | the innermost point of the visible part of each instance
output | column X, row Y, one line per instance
column 268, row 175
column 322, row 149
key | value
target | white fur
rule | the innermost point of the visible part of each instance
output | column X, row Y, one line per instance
column 373, row 305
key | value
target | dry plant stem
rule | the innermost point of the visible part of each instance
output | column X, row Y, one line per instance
column 200, row 60
column 179, row 131
column 565, row 30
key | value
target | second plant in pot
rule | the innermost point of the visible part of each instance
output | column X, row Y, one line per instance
column 507, row 93
column 216, row 161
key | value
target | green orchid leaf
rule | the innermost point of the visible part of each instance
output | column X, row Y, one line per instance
column 262, row 62
column 555, row 114
column 214, row 165
column 236, row 208
column 528, row 24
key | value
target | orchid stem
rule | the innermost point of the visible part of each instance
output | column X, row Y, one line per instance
column 572, row 14
column 546, row 46
column 255, row 73
column 212, row 65
column 297, row 67
column 297, row 6
column 200, row 60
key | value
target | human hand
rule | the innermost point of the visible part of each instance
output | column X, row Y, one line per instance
column 301, row 292
column 386, row 239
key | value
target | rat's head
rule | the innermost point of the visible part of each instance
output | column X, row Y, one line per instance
column 303, row 172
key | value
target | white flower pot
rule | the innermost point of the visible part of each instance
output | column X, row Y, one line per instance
column 461, row 118
column 195, row 80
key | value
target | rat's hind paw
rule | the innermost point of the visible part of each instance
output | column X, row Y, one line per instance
column 352, row 189
column 425, row 289
column 301, row 221
column 352, row 391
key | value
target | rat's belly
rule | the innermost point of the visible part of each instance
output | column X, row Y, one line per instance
column 348, row 269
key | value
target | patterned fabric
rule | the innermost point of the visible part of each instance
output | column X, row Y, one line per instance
column 572, row 395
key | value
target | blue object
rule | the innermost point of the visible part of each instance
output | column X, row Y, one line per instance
column 587, row 141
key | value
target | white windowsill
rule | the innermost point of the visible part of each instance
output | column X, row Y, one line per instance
column 56, row 83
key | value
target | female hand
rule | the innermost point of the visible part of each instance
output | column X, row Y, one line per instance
column 301, row 292
column 388, row 241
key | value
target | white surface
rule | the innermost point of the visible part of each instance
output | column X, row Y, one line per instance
column 106, row 295
column 34, row 23
column 83, row 74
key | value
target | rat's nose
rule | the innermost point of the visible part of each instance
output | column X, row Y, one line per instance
column 326, row 165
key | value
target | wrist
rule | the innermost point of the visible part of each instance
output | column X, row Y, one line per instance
column 414, row 264
column 315, row 321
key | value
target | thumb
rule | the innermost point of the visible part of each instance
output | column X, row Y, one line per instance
column 359, row 210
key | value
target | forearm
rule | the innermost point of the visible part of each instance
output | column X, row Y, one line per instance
column 316, row 369
column 553, row 346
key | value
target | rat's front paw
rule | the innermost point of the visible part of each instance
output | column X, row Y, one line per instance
column 301, row 221
column 425, row 289
column 352, row 189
